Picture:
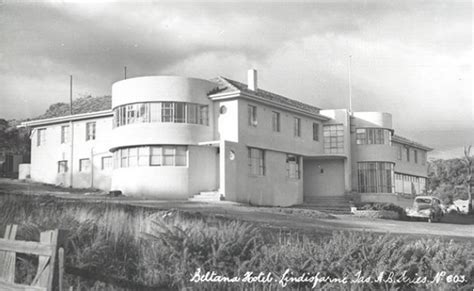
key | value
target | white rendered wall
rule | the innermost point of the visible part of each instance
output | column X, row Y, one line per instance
column 45, row 158
column 323, row 178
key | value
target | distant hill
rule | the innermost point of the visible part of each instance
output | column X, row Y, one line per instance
column 80, row 105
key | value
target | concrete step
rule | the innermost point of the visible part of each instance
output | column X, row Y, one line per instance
column 330, row 204
column 206, row 196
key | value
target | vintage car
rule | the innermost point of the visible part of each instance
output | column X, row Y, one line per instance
column 426, row 207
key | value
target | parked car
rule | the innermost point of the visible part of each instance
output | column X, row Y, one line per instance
column 426, row 207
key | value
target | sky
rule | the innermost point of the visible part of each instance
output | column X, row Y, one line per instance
column 410, row 58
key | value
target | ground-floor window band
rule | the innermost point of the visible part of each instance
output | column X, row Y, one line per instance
column 375, row 177
column 408, row 184
column 146, row 156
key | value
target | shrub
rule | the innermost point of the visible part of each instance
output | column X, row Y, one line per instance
column 384, row 206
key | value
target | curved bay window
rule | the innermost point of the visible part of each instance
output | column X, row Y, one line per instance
column 373, row 136
column 146, row 156
column 175, row 112
column 375, row 177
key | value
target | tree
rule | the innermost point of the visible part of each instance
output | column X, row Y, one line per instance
column 468, row 161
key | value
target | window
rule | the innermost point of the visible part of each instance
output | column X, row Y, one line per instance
column 252, row 112
column 65, row 134
column 297, row 127
column 423, row 158
column 151, row 156
column 106, row 163
column 155, row 112
column 315, row 131
column 143, row 156
column 408, row 184
column 375, row 177
column 399, row 152
column 178, row 112
column 373, row 136
column 256, row 162
column 293, row 166
column 90, row 131
column 167, row 113
column 276, row 121
column 192, row 113
column 204, row 115
column 407, row 151
column 133, row 157
column 156, row 156
column 62, row 167
column 124, row 158
column 333, row 138
column 84, row 165
column 41, row 136
column 415, row 156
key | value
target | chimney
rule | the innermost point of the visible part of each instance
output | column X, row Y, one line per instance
column 252, row 79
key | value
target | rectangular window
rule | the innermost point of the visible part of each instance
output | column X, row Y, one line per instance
column 156, row 156
column 90, row 131
column 293, row 166
column 192, row 112
column 62, row 167
column 375, row 177
column 124, row 158
column 41, row 136
column 407, row 151
column 133, row 157
column 155, row 112
column 180, row 112
column 315, row 131
column 415, row 156
column 204, row 115
column 180, row 159
column 167, row 113
column 143, row 113
column 297, row 127
column 399, row 152
column 373, row 136
column 333, row 138
column 361, row 136
column 252, row 112
column 423, row 158
column 84, row 165
column 143, row 156
column 106, row 163
column 256, row 162
column 65, row 134
column 168, row 156
column 276, row 121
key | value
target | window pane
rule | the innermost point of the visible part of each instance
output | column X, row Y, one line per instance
column 179, row 113
column 167, row 112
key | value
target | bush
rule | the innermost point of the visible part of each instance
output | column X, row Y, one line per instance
column 384, row 206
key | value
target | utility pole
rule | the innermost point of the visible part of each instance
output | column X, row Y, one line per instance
column 70, row 95
column 350, row 84
column 71, row 132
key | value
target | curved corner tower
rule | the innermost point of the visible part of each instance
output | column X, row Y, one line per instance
column 158, row 123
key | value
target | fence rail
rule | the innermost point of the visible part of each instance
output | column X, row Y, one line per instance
column 49, row 268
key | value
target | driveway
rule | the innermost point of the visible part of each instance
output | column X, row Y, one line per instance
column 311, row 222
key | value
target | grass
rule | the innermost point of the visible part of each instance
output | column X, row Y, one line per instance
column 163, row 249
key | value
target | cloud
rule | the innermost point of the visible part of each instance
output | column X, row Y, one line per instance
column 411, row 58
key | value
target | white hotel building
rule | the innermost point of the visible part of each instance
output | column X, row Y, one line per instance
column 170, row 137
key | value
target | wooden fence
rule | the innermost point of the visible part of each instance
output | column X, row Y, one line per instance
column 50, row 269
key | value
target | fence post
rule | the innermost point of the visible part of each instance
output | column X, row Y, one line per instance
column 7, row 259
